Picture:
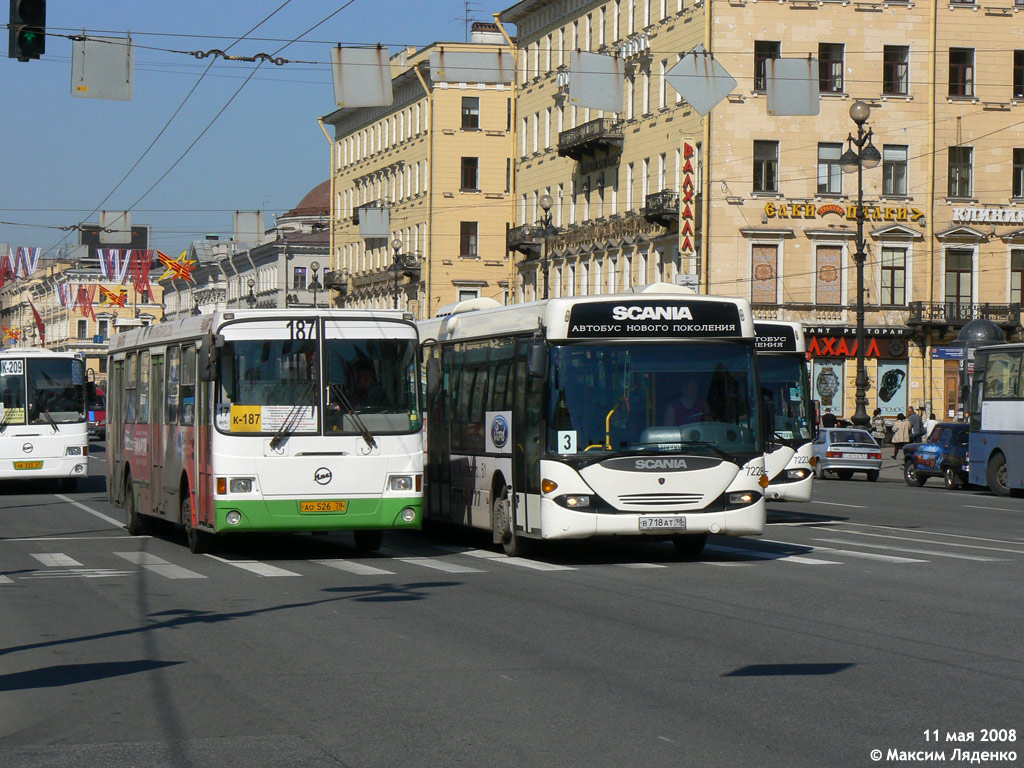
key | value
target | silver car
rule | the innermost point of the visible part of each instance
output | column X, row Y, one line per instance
column 844, row 451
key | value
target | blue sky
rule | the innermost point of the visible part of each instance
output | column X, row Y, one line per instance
column 64, row 155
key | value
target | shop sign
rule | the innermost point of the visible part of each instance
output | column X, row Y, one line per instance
column 893, row 213
column 892, row 387
column 842, row 346
column 878, row 331
column 988, row 215
column 947, row 353
column 688, row 200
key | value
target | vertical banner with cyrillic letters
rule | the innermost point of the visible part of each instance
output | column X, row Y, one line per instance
column 688, row 199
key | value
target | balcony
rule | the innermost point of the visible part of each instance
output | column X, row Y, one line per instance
column 336, row 281
column 603, row 133
column 527, row 239
column 949, row 314
column 662, row 208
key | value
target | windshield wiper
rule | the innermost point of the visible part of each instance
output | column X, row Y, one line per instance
column 49, row 418
column 6, row 420
column 292, row 419
column 347, row 405
column 714, row 448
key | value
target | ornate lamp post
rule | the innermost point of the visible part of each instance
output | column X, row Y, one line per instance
column 314, row 284
column 251, row 298
column 865, row 156
column 397, row 265
column 545, row 221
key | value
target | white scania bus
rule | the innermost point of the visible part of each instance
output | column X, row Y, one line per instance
column 43, row 431
column 629, row 415
column 268, row 420
column 786, row 390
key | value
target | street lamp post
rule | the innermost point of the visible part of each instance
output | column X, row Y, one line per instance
column 396, row 266
column 314, row 284
column 251, row 298
column 866, row 156
column 545, row 205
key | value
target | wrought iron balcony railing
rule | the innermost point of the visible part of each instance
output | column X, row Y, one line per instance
column 526, row 238
column 956, row 314
column 603, row 133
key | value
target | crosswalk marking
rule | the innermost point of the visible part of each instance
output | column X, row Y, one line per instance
column 913, row 551
column 439, row 565
column 351, row 566
column 724, row 563
column 941, row 542
column 769, row 555
column 5, row 580
column 255, row 566
column 522, row 562
column 56, row 560
column 854, row 553
column 159, row 566
column 641, row 566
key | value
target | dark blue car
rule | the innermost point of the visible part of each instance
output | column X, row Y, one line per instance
column 943, row 454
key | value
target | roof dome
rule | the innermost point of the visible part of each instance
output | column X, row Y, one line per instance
column 316, row 202
column 978, row 333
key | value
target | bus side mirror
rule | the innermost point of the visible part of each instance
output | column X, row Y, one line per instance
column 537, row 360
column 209, row 357
column 767, row 427
column 433, row 376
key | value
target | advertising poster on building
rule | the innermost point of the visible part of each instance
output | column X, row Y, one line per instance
column 892, row 387
column 828, row 385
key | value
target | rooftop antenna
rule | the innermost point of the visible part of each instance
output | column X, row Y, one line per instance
column 467, row 17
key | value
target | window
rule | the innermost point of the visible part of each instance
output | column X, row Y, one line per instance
column 1018, row 74
column 894, row 170
column 465, row 294
column 961, row 72
column 470, row 169
column 299, row 278
column 83, row 330
column 104, row 326
column 830, row 175
column 764, row 265
column 896, row 70
column 131, row 384
column 468, row 239
column 766, row 166
column 142, row 412
column 960, row 171
column 830, row 67
column 187, row 408
column 173, row 384
column 1018, row 172
column 1002, row 375
column 764, row 50
column 1017, row 275
column 959, row 273
column 894, row 276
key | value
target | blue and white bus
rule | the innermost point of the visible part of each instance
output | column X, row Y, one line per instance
column 786, row 390
column 996, row 446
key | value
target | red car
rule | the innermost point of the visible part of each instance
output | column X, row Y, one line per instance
column 97, row 413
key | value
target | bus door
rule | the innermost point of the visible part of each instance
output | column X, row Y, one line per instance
column 156, row 432
column 114, row 449
column 204, row 392
column 526, row 436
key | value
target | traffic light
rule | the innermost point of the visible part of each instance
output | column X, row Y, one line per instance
column 27, row 29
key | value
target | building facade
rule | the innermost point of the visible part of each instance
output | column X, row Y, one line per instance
column 422, row 188
column 745, row 203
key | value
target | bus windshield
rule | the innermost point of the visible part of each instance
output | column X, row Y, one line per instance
column 372, row 381
column 53, row 389
column 783, row 389
column 669, row 398
column 265, row 384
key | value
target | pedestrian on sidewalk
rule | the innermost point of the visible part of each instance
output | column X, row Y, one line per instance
column 900, row 434
column 878, row 426
column 916, row 424
column 929, row 425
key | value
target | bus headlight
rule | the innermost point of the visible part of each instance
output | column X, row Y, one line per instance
column 577, row 501
column 400, row 482
column 73, row 450
column 408, row 515
column 240, row 485
column 743, row 498
column 796, row 474
column 234, row 517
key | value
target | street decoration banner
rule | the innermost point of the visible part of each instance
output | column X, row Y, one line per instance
column 65, row 293
column 140, row 264
column 113, row 298
column 40, row 325
column 114, row 264
column 176, row 269
column 83, row 300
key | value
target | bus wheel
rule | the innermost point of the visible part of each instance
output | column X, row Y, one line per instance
column 995, row 475
column 199, row 542
column 368, row 541
column 690, row 545
column 501, row 524
column 138, row 525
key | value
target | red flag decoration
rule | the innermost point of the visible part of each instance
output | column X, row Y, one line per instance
column 8, row 267
column 28, row 260
column 140, row 264
column 10, row 333
column 40, row 326
column 177, row 269
column 114, row 264
column 64, row 291
column 84, row 299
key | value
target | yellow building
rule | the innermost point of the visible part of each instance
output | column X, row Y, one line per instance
column 772, row 214
column 432, row 172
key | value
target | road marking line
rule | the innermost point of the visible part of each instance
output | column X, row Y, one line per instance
column 159, row 566
column 641, row 566
column 522, row 562
column 929, row 541
column 255, row 566
column 351, row 566
column 837, row 504
column 91, row 511
column 5, row 580
column 852, row 553
column 997, row 509
column 769, row 555
column 439, row 565
column 912, row 551
column 719, row 562
column 71, row 573
column 72, row 538
column 57, row 560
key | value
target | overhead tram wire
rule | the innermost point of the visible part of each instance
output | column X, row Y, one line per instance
column 167, row 124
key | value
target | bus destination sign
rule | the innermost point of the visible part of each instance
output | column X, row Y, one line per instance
column 774, row 337
column 640, row 319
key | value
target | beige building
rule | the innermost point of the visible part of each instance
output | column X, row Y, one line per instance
column 772, row 215
column 432, row 173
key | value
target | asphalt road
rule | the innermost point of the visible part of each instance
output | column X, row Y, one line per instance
column 857, row 622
